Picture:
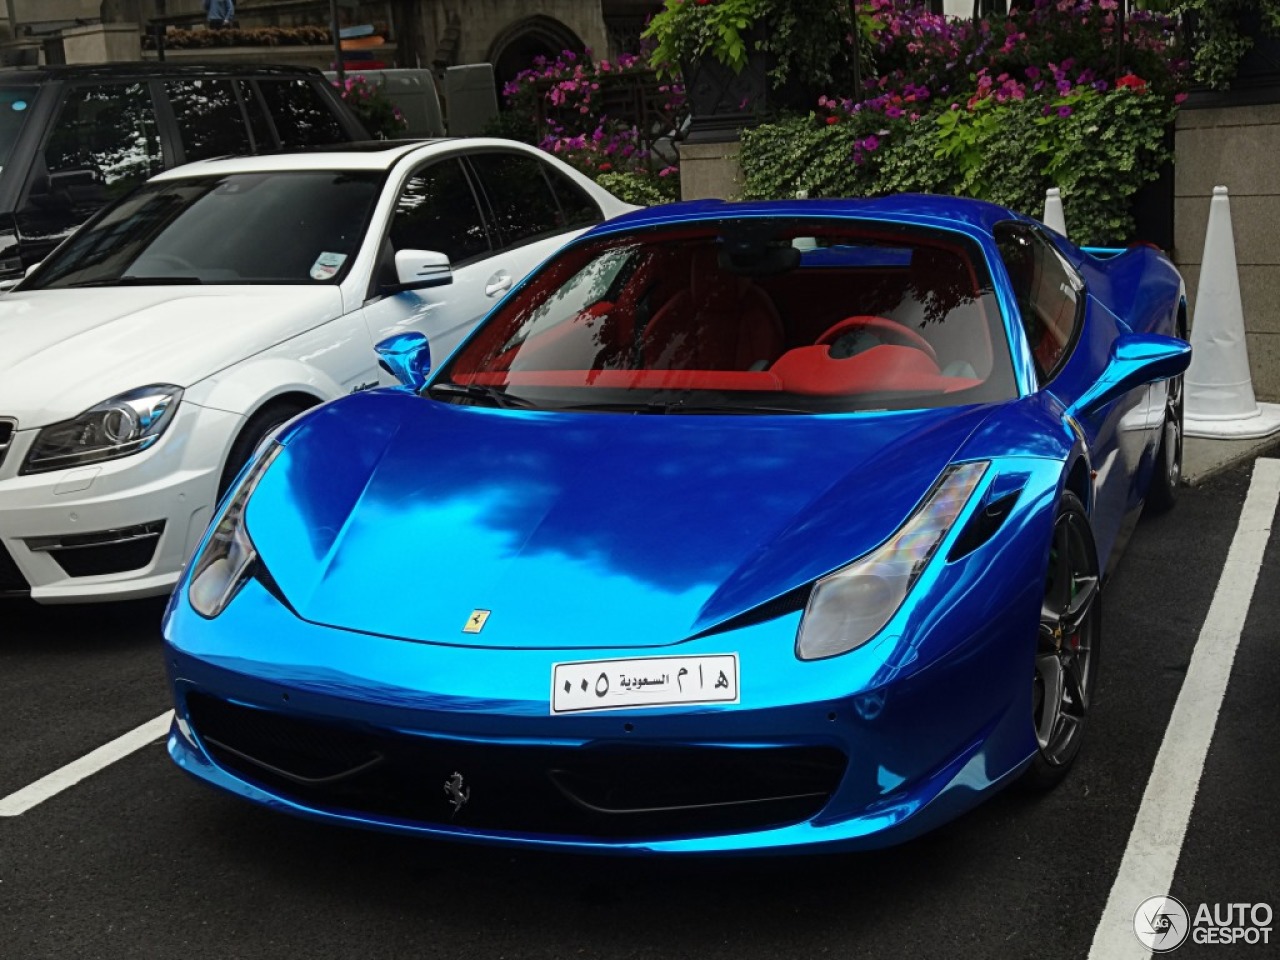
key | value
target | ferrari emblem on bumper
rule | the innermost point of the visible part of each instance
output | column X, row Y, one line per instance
column 476, row 622
column 457, row 793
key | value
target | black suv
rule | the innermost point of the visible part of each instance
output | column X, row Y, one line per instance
column 75, row 138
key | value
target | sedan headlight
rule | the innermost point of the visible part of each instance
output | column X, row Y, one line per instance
column 118, row 427
column 229, row 555
column 849, row 607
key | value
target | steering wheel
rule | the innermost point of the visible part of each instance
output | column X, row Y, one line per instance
column 860, row 333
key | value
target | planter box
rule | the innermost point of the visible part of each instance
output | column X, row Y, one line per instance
column 300, row 56
column 722, row 102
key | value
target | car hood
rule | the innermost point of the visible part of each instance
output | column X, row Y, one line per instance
column 62, row 351
column 399, row 516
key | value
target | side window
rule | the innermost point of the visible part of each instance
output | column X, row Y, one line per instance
column 437, row 210
column 302, row 117
column 576, row 205
column 262, row 137
column 104, row 142
column 523, row 204
column 209, row 117
column 1047, row 291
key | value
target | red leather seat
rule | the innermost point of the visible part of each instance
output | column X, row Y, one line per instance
column 721, row 321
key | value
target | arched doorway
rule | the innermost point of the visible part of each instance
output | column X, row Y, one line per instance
column 515, row 47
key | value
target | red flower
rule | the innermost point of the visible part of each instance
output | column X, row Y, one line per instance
column 605, row 167
column 831, row 120
column 1134, row 82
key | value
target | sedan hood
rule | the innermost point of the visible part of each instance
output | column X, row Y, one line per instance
column 62, row 351
column 401, row 516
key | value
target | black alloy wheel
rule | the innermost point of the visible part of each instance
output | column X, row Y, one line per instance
column 1066, row 660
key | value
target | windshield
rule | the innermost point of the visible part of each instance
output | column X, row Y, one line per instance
column 255, row 228
column 747, row 316
column 15, row 105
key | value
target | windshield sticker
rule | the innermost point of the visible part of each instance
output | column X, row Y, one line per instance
column 327, row 265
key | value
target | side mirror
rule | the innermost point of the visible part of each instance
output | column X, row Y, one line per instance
column 407, row 357
column 419, row 269
column 1137, row 359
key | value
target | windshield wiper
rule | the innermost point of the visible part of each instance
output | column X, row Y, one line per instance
column 695, row 402
column 129, row 280
column 479, row 391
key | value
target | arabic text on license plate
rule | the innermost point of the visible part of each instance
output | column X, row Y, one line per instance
column 585, row 685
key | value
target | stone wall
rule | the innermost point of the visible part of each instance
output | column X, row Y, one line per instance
column 480, row 22
column 1238, row 148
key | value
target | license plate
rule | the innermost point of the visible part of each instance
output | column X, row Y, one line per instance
column 584, row 685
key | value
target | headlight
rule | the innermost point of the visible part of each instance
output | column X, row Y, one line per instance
column 116, row 428
column 229, row 555
column 849, row 607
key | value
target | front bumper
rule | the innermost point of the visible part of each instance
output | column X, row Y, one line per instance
column 169, row 488
column 902, row 750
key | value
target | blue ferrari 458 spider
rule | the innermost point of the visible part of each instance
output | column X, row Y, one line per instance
column 774, row 526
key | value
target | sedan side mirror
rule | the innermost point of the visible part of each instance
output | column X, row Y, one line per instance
column 419, row 269
column 1136, row 360
column 407, row 357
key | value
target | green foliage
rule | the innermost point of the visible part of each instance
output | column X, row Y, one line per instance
column 1219, row 33
column 1099, row 148
column 641, row 188
column 807, row 39
column 686, row 30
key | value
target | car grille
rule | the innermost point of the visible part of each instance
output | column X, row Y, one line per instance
column 7, row 429
column 11, row 578
column 606, row 790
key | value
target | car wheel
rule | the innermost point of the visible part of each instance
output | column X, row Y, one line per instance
column 258, row 427
column 1163, row 493
column 1066, row 659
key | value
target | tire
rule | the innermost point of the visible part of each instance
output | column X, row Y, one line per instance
column 255, row 430
column 1162, row 495
column 1065, row 666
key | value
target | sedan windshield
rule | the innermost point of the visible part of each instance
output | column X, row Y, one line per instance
column 746, row 316
column 301, row 227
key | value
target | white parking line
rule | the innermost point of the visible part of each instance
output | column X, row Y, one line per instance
column 29, row 796
column 1156, row 841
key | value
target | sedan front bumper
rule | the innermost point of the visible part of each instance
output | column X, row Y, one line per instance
column 114, row 530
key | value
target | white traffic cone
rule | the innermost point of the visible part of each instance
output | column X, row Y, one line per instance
column 1054, row 218
column 1220, row 400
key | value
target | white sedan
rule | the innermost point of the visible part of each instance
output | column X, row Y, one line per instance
column 142, row 362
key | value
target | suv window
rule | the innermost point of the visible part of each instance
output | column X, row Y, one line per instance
column 1048, row 293
column 301, row 116
column 437, row 210
column 209, row 117
column 523, row 205
column 104, row 142
column 257, row 114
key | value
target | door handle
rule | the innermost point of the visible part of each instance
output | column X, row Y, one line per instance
column 500, row 282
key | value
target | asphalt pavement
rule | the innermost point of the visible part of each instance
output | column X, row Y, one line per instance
column 137, row 861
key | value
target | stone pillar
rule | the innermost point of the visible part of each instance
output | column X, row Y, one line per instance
column 102, row 43
column 1232, row 145
column 710, row 170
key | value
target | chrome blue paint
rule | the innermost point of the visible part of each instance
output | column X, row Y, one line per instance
column 407, row 357
column 1137, row 359
column 389, row 517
